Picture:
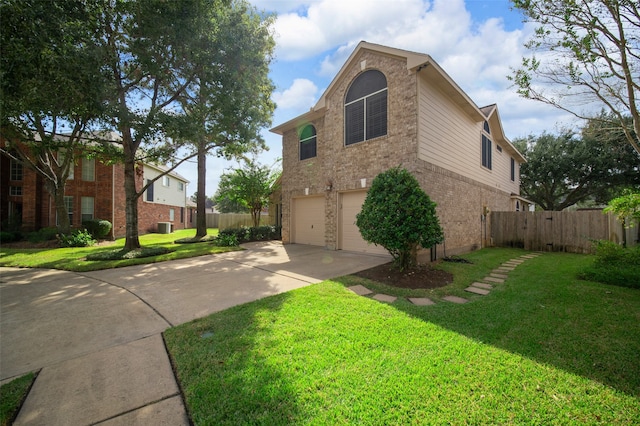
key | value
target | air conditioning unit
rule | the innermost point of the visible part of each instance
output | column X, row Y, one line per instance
column 164, row 227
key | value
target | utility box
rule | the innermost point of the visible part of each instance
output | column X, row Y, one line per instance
column 164, row 227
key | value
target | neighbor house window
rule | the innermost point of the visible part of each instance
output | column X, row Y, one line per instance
column 150, row 190
column 365, row 108
column 86, row 206
column 513, row 170
column 166, row 181
column 172, row 215
column 61, row 158
column 180, row 186
column 88, row 169
column 16, row 171
column 308, row 142
column 15, row 191
column 68, row 203
column 486, row 146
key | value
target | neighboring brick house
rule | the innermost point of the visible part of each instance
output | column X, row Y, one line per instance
column 385, row 108
column 93, row 191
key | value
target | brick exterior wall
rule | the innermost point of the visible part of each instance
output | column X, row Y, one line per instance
column 461, row 201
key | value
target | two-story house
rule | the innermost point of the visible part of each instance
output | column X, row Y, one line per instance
column 94, row 190
column 388, row 107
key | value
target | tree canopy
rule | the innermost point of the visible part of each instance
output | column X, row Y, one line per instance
column 399, row 216
column 585, row 52
column 249, row 186
column 567, row 169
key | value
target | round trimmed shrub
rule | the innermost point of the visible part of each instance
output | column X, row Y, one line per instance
column 98, row 228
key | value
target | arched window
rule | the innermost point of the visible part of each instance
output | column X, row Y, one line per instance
column 365, row 108
column 486, row 146
column 308, row 142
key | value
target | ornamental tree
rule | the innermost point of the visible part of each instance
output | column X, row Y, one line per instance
column 399, row 216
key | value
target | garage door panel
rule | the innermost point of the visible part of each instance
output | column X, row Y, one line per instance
column 308, row 221
column 350, row 237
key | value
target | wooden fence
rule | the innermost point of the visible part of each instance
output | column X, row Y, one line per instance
column 231, row 220
column 570, row 231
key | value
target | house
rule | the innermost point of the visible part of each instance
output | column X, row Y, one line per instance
column 388, row 107
column 94, row 190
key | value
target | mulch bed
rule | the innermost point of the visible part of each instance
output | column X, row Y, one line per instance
column 421, row 276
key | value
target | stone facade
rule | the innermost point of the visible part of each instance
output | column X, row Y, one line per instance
column 463, row 203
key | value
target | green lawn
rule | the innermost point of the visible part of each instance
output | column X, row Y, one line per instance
column 542, row 348
column 73, row 259
column 11, row 396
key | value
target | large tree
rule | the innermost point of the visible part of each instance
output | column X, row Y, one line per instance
column 562, row 170
column 588, row 52
column 229, row 99
column 250, row 186
column 52, row 88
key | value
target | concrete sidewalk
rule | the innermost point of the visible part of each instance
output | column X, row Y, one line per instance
column 96, row 337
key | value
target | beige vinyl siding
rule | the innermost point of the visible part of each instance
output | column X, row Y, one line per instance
column 449, row 138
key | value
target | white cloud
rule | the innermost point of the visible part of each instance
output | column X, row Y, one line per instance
column 300, row 96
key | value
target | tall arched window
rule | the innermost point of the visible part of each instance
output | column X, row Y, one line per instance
column 486, row 146
column 365, row 108
column 308, row 142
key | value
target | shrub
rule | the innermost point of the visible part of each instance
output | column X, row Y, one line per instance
column 7, row 237
column 44, row 234
column 79, row 238
column 226, row 240
column 399, row 216
column 259, row 233
column 98, row 228
column 615, row 265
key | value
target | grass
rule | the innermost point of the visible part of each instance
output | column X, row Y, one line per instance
column 12, row 395
column 542, row 348
column 74, row 259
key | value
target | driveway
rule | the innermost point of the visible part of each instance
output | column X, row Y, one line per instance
column 96, row 337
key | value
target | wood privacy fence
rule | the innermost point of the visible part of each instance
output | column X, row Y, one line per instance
column 570, row 231
column 231, row 220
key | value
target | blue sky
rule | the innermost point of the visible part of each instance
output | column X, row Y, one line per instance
column 475, row 41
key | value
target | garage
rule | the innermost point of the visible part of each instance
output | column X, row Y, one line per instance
column 308, row 221
column 350, row 238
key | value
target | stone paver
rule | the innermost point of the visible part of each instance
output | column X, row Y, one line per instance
column 477, row 290
column 503, row 276
column 360, row 290
column 455, row 299
column 385, row 298
column 482, row 285
column 421, row 301
column 505, row 268
column 493, row 279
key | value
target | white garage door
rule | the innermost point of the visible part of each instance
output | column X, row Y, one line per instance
column 308, row 221
column 350, row 238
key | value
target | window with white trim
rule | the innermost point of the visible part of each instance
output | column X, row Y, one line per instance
column 180, row 186
column 486, row 146
column 513, row 170
column 15, row 191
column 16, row 171
column 88, row 169
column 172, row 215
column 87, row 208
column 166, row 181
column 308, row 142
column 365, row 108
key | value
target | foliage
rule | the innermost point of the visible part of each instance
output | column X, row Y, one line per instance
column 399, row 216
column 589, row 53
column 43, row 234
column 626, row 206
column 78, row 238
column 7, row 237
column 122, row 254
column 531, row 352
column 615, row 265
column 256, row 233
column 250, row 186
column 52, row 87
column 13, row 395
column 226, row 205
column 566, row 169
column 98, row 228
column 227, row 240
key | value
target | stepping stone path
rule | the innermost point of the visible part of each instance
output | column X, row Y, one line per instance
column 497, row 276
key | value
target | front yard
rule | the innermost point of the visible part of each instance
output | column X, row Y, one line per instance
column 541, row 348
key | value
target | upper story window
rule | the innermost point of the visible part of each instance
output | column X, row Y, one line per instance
column 308, row 142
column 16, row 170
column 365, row 108
column 88, row 169
column 486, row 146
column 150, row 190
column 513, row 170
column 180, row 186
column 166, row 181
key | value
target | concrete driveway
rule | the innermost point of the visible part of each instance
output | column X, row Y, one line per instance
column 95, row 338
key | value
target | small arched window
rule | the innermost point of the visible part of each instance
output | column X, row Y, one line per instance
column 308, row 142
column 365, row 108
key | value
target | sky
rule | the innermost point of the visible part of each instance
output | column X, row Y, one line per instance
column 476, row 42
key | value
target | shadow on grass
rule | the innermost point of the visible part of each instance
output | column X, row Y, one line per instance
column 544, row 313
column 224, row 376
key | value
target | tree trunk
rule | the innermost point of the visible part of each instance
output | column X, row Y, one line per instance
column 132, row 241
column 63, row 225
column 201, row 217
